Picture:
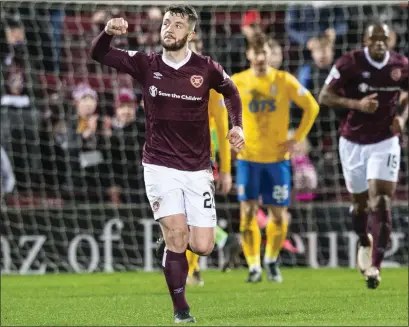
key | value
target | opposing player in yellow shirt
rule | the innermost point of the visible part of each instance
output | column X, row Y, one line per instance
column 218, row 119
column 263, row 166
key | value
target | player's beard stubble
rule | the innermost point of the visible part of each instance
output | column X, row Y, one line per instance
column 175, row 45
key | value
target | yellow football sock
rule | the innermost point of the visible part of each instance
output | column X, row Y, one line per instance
column 276, row 234
column 193, row 261
column 251, row 243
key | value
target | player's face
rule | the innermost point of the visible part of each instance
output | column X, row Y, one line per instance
column 126, row 113
column 86, row 106
column 259, row 58
column 323, row 56
column 378, row 41
column 276, row 57
column 175, row 32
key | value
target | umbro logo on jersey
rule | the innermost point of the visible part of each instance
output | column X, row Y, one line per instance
column 366, row 74
column 157, row 75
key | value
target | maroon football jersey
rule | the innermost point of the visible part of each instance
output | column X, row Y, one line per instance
column 176, row 99
column 355, row 75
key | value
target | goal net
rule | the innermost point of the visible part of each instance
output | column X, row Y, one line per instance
column 73, row 131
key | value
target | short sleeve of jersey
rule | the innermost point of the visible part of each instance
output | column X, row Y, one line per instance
column 341, row 72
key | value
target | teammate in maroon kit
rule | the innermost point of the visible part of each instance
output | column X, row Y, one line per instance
column 369, row 82
column 176, row 158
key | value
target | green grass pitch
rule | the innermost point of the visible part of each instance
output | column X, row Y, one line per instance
column 327, row 297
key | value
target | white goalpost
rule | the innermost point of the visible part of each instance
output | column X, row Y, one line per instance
column 79, row 203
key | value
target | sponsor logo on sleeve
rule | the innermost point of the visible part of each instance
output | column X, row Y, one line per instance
column 131, row 53
column 225, row 75
column 333, row 74
column 302, row 91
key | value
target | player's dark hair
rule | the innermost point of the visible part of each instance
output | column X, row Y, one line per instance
column 185, row 11
column 257, row 42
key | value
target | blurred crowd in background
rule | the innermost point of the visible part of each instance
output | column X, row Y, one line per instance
column 72, row 129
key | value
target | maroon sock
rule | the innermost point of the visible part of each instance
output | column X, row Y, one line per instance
column 381, row 231
column 360, row 225
column 175, row 269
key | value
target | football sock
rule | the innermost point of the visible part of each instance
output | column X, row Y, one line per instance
column 175, row 270
column 360, row 225
column 220, row 237
column 251, row 243
column 381, row 231
column 276, row 235
column 193, row 262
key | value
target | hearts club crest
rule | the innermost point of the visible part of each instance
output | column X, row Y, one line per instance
column 197, row 81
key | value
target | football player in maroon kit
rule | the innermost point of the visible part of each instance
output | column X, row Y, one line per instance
column 176, row 158
column 368, row 82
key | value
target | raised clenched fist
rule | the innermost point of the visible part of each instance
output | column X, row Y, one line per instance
column 116, row 26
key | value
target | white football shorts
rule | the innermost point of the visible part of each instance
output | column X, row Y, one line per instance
column 172, row 191
column 362, row 162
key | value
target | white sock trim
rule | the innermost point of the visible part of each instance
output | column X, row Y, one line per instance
column 270, row 260
column 165, row 253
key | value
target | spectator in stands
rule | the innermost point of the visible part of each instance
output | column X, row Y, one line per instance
column 54, row 146
column 128, row 128
column 304, row 173
column 397, row 18
column 147, row 31
column 14, row 66
column 87, row 134
column 312, row 76
column 233, row 51
column 306, row 22
column 13, row 48
column 277, row 53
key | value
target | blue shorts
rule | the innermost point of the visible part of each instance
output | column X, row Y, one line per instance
column 270, row 180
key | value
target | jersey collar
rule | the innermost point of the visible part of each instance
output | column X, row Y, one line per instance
column 378, row 65
column 177, row 65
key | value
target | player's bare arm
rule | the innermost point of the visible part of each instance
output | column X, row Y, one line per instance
column 330, row 98
column 398, row 124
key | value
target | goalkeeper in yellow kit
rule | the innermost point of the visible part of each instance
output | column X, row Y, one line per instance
column 219, row 122
column 263, row 165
